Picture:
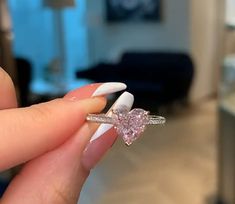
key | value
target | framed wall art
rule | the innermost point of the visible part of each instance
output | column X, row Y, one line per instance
column 133, row 10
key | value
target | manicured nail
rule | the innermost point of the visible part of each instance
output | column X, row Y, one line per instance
column 126, row 99
column 92, row 90
column 105, row 136
column 108, row 88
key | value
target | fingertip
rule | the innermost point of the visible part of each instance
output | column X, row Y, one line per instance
column 92, row 105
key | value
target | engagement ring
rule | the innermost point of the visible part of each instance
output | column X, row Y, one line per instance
column 128, row 124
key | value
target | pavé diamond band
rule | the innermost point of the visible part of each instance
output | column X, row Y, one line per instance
column 102, row 118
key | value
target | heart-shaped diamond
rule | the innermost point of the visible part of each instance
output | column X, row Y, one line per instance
column 130, row 125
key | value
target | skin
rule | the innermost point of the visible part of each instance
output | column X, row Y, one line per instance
column 49, row 139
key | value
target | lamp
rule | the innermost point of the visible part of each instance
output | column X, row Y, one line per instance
column 57, row 68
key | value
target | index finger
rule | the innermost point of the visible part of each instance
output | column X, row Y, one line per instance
column 29, row 132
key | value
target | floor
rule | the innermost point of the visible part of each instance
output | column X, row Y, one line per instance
column 172, row 164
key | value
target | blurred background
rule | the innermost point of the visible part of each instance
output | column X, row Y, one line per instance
column 177, row 58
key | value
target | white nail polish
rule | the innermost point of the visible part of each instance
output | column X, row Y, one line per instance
column 126, row 99
column 108, row 88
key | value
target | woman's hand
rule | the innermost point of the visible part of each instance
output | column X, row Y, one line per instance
column 50, row 138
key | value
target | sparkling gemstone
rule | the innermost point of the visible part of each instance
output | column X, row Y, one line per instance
column 130, row 125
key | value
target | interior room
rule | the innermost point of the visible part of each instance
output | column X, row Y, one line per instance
column 177, row 58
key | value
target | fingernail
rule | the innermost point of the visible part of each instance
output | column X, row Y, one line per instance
column 126, row 99
column 108, row 88
column 93, row 90
column 105, row 136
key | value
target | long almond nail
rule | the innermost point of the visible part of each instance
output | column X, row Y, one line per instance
column 105, row 136
column 93, row 90
column 108, row 88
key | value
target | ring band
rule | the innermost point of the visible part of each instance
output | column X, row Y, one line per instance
column 102, row 118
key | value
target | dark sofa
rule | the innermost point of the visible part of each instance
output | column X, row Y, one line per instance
column 156, row 77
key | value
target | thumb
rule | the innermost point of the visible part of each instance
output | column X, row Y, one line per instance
column 29, row 132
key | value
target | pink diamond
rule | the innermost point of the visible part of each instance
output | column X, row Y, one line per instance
column 130, row 125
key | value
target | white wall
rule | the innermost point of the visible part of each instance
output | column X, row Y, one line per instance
column 109, row 41
column 206, row 46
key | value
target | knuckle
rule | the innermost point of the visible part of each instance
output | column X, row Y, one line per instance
column 40, row 113
column 44, row 112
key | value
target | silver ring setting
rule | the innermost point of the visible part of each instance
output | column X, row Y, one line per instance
column 128, row 124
